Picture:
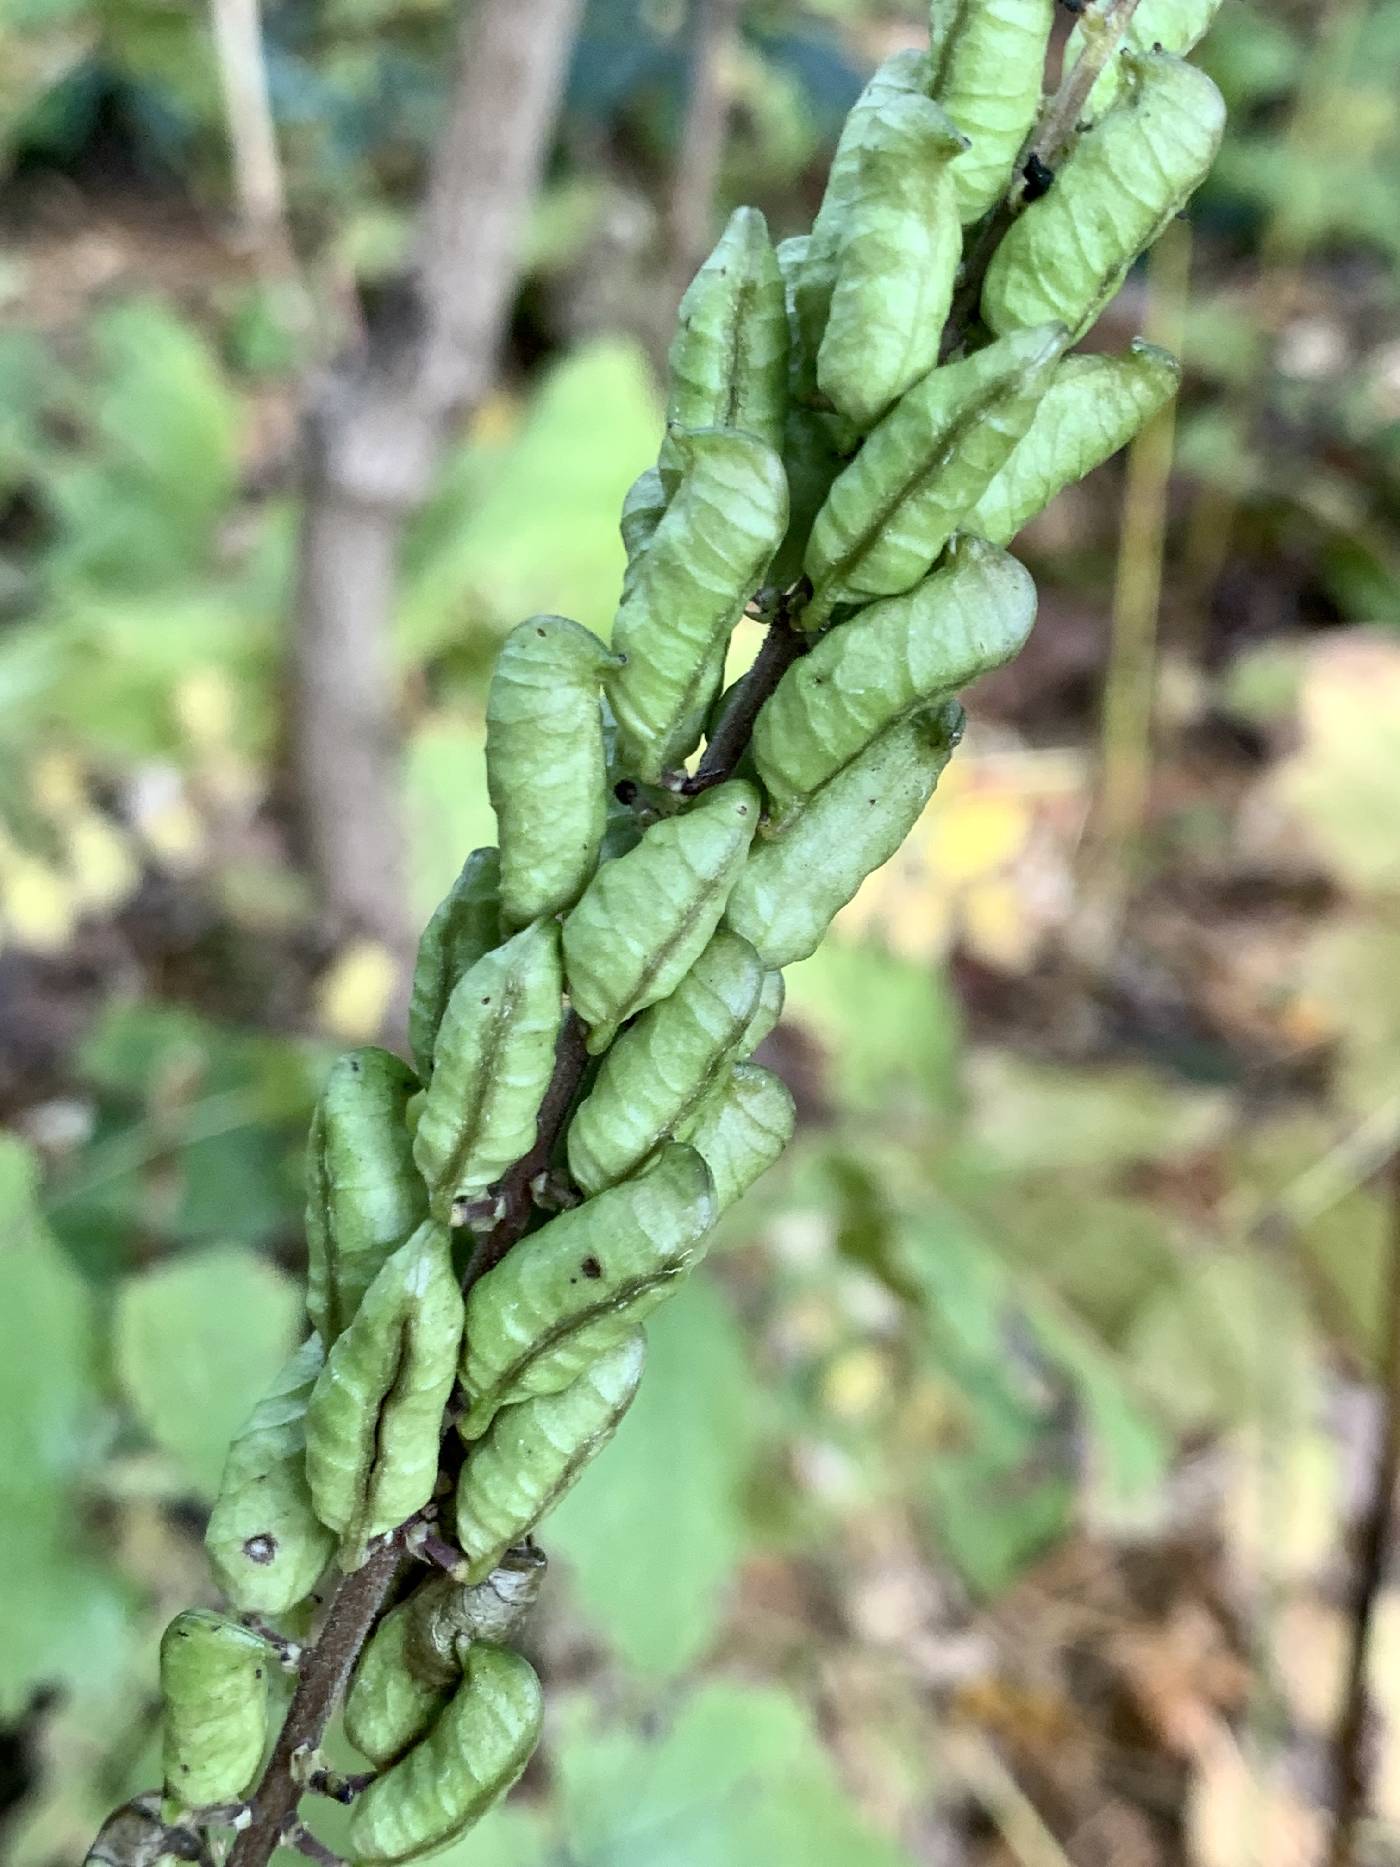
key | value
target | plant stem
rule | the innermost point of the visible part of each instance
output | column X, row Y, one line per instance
column 1049, row 143
column 781, row 647
column 354, row 1609
column 1352, row 1768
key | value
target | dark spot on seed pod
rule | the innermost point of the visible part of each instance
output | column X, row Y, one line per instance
column 625, row 791
column 260, row 1549
column 487, row 999
column 540, row 632
column 591, row 1267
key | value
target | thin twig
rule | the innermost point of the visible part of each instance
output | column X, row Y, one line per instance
column 1049, row 143
column 302, row 1839
column 1351, row 1761
column 257, row 171
column 781, row 647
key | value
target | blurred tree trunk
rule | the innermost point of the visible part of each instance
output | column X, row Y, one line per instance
column 713, row 29
column 373, row 435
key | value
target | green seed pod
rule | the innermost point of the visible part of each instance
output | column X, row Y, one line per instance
column 363, row 1194
column 906, row 74
column 765, row 1019
column 642, row 511
column 545, row 767
column 1094, row 406
column 495, row 1056
column 477, row 1747
column 796, row 881
column 971, row 615
column 213, row 1685
column 988, row 62
column 706, row 558
column 463, row 929
column 532, row 1454
column 265, row 1542
column 923, row 469
column 729, row 358
column 743, row 1128
column 390, row 1704
column 375, row 1416
column 1068, row 253
column 898, row 244
column 646, row 918
column 447, row 1613
column 1174, row 25
column 662, row 1067
column 571, row 1291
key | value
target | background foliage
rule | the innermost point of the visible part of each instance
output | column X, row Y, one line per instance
column 993, row 1493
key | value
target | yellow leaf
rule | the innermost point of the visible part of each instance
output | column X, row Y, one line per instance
column 100, row 860
column 353, row 996
column 38, row 904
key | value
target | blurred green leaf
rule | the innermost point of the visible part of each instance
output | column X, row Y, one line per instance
column 890, row 1025
column 196, row 1343
column 655, row 1532
column 543, row 534
column 739, row 1777
column 63, row 1614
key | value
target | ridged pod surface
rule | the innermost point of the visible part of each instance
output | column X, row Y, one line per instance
column 494, row 1058
column 214, row 1686
column 797, row 880
column 545, row 770
column 703, row 562
column 389, row 1704
column 971, row 615
column 374, row 1422
column 363, row 1194
column 534, row 1452
column 728, row 360
column 662, row 1067
column 1067, row 254
column 573, row 1290
column 266, row 1544
column 1094, row 406
column 477, row 1747
column 465, row 925
column 1174, row 25
column 922, row 470
column 743, row 1128
column 988, row 60
column 647, row 917
column 896, row 257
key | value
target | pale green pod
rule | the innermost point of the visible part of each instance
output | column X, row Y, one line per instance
column 897, row 249
column 495, row 1056
column 1067, row 253
column 729, row 358
column 988, row 60
column 1174, row 25
column 643, row 509
column 266, row 1544
column 646, row 918
column 765, row 1019
column 971, row 615
column 464, row 927
column 905, row 74
column 796, row 881
column 662, row 1067
column 390, row 1705
column 743, row 1128
column 364, row 1196
column 923, row 469
column 374, row 1421
column 477, row 1747
column 816, row 444
column 447, row 1613
column 705, row 559
column 545, row 768
column 1094, row 406
column 214, row 1706
column 571, row 1291
column 533, row 1453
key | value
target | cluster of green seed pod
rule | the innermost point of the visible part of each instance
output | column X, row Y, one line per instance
column 840, row 464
